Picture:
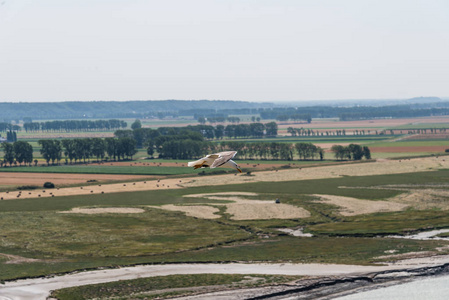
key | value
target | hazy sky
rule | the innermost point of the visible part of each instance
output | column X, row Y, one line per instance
column 254, row 50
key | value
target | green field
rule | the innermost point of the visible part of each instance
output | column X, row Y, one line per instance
column 34, row 228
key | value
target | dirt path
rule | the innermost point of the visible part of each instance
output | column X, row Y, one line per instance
column 39, row 288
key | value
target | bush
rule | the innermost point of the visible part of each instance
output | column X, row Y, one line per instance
column 49, row 185
column 27, row 187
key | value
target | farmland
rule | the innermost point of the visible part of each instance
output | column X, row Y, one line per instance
column 159, row 211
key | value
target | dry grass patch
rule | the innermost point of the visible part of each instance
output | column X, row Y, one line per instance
column 352, row 206
column 381, row 167
column 244, row 209
column 425, row 199
column 104, row 210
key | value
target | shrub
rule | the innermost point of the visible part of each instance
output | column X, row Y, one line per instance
column 27, row 187
column 49, row 185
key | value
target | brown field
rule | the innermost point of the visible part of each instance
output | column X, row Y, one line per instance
column 409, row 149
column 38, row 179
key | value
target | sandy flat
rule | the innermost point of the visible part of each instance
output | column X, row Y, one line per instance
column 246, row 209
column 39, row 288
column 352, row 206
column 197, row 211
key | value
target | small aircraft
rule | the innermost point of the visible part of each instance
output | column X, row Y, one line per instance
column 221, row 159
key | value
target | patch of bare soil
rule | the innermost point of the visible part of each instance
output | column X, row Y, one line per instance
column 424, row 198
column 104, row 210
column 15, row 259
column 197, row 211
column 352, row 206
column 244, row 209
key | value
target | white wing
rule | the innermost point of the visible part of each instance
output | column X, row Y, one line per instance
column 223, row 157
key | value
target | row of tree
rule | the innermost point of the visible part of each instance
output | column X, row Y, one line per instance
column 351, row 152
column 11, row 136
column 84, row 149
column 74, row 125
column 5, row 126
column 74, row 150
column 19, row 152
column 147, row 136
column 203, row 120
column 357, row 112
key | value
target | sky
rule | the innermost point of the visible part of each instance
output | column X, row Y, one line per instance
column 249, row 50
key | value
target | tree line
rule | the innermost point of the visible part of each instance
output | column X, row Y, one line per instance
column 73, row 150
column 146, row 136
column 17, row 152
column 351, row 152
column 4, row 127
column 74, row 125
column 85, row 149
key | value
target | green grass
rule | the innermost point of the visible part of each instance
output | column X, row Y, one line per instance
column 141, row 288
column 66, row 242
column 306, row 250
column 385, row 223
column 52, row 234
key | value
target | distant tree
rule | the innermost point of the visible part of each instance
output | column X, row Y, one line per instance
column 256, row 129
column 98, row 148
column 137, row 124
column 320, row 152
column 285, row 152
column 127, row 147
column 339, row 151
column 366, row 152
column 201, row 120
column 271, row 129
column 8, row 150
column 70, row 151
column 22, row 152
column 51, row 150
column 112, row 147
column 150, row 148
column 356, row 151
column 219, row 131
